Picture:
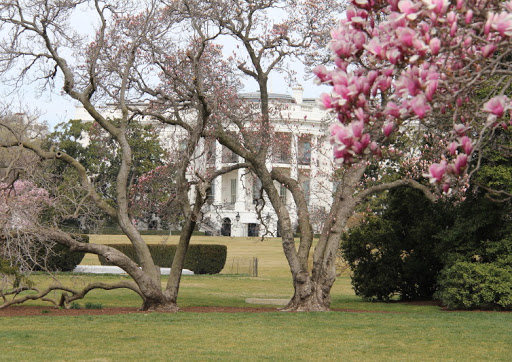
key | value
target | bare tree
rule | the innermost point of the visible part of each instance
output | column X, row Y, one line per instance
column 266, row 43
column 117, row 66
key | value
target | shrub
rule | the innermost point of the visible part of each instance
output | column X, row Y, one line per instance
column 60, row 257
column 75, row 305
column 89, row 305
column 394, row 253
column 201, row 258
column 467, row 285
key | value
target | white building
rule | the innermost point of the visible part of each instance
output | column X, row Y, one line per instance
column 304, row 153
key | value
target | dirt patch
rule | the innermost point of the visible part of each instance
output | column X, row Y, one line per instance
column 23, row 311
column 50, row 311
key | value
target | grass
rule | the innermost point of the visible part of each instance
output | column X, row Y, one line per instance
column 411, row 332
column 273, row 336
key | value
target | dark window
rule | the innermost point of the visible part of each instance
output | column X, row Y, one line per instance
column 226, row 227
column 253, row 229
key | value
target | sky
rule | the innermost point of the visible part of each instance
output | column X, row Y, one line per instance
column 53, row 107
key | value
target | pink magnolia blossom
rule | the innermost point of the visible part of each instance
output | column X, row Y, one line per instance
column 460, row 163
column 469, row 16
column 388, row 128
column 322, row 75
column 502, row 23
column 436, row 172
column 437, row 6
column 420, row 106
column 326, row 100
column 452, row 148
column 435, row 45
column 497, row 106
column 467, row 145
column 421, row 57
column 488, row 50
column 460, row 129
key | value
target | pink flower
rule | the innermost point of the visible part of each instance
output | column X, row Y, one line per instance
column 460, row 129
column 437, row 171
column 408, row 8
column 357, row 128
column 388, row 128
column 326, row 100
column 435, row 45
column 488, row 50
column 502, row 23
column 469, row 16
column 497, row 106
column 488, row 23
column 451, row 17
column 461, row 163
column 359, row 113
column 438, row 6
column 374, row 147
column 392, row 110
column 431, row 89
column 420, row 106
column 446, row 188
column 321, row 72
column 406, row 36
column 375, row 47
column 467, row 145
column 452, row 148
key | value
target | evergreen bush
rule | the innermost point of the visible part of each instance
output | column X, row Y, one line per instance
column 60, row 258
column 200, row 258
column 466, row 285
column 393, row 253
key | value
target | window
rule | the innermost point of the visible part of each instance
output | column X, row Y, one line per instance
column 304, row 154
column 306, row 190
column 233, row 191
column 210, row 193
column 256, row 190
column 282, row 193
column 209, row 149
column 281, row 149
column 229, row 156
column 253, row 229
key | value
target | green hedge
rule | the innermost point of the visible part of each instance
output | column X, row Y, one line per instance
column 467, row 285
column 201, row 258
column 60, row 258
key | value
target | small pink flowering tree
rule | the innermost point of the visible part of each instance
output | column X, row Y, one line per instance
column 22, row 204
column 441, row 65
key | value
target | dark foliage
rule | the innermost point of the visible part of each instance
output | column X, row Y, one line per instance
column 466, row 285
column 395, row 253
column 60, row 258
column 201, row 258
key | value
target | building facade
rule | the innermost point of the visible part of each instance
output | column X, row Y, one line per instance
column 236, row 206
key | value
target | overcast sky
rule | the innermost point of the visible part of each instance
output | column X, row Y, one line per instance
column 55, row 108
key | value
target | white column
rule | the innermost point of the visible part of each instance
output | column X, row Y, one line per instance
column 294, row 171
column 240, row 190
column 217, row 183
column 314, row 171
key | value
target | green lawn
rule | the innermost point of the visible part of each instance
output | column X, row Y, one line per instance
column 410, row 332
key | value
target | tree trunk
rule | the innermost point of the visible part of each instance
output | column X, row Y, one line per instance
column 173, row 284
column 313, row 290
column 310, row 295
column 163, row 304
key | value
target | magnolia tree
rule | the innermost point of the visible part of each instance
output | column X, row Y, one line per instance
column 139, row 64
column 402, row 69
column 437, row 68
column 438, row 64
column 21, row 206
column 268, row 34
